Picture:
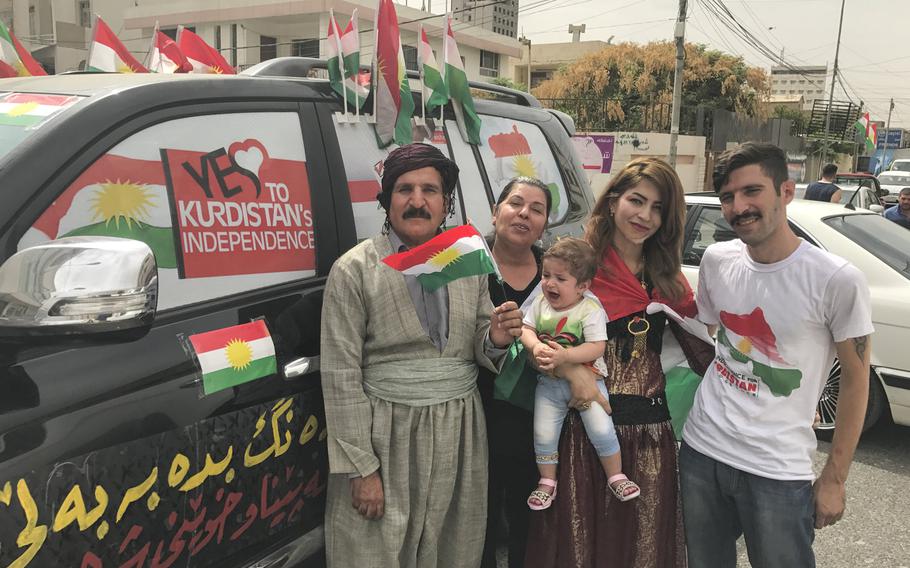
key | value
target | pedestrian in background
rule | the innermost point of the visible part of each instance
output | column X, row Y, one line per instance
column 407, row 440
column 900, row 213
column 782, row 308
column 824, row 189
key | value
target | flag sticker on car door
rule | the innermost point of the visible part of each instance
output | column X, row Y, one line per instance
column 234, row 355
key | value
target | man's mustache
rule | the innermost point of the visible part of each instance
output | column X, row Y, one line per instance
column 744, row 217
column 413, row 212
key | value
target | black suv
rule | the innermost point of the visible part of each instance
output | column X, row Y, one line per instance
column 141, row 210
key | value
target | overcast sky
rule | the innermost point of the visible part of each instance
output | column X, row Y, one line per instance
column 875, row 45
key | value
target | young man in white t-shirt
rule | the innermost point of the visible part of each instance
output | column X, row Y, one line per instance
column 782, row 308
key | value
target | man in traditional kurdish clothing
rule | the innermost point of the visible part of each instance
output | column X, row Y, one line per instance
column 406, row 434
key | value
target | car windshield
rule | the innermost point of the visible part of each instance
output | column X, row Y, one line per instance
column 901, row 166
column 22, row 114
column 884, row 239
column 894, row 179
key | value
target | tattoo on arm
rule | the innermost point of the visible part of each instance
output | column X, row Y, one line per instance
column 859, row 343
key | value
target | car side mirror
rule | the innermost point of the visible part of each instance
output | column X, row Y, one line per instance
column 78, row 285
column 877, row 209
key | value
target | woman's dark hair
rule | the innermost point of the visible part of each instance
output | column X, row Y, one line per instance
column 663, row 250
column 771, row 159
column 525, row 180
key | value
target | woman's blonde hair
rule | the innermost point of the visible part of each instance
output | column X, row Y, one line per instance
column 663, row 250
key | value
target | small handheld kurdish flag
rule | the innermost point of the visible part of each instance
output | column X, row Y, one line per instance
column 234, row 355
column 451, row 255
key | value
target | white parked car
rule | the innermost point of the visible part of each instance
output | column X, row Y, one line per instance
column 878, row 247
column 894, row 182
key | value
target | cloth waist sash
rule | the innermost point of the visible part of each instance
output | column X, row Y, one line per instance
column 421, row 382
column 629, row 409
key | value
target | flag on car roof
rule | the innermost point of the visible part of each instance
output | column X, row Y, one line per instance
column 234, row 355
column 356, row 87
column 203, row 57
column 460, row 92
column 335, row 61
column 15, row 60
column 456, row 253
column 868, row 130
column 164, row 55
column 108, row 54
column 393, row 104
column 436, row 93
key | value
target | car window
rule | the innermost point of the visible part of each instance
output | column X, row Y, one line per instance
column 710, row 227
column 511, row 148
column 884, row 239
column 363, row 167
column 22, row 114
column 894, row 179
column 901, row 166
column 222, row 200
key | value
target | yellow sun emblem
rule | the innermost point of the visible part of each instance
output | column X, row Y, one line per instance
column 444, row 257
column 524, row 166
column 124, row 68
column 239, row 354
column 122, row 200
column 744, row 345
column 23, row 108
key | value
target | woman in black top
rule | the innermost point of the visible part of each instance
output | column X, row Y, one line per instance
column 519, row 219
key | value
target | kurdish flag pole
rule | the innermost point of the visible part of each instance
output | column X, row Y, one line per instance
column 234, row 355
column 456, row 253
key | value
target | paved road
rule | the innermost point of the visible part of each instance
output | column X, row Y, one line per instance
column 876, row 529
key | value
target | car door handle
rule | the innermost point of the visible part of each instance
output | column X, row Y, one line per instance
column 301, row 366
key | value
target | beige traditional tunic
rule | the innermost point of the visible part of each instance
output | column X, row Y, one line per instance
column 395, row 403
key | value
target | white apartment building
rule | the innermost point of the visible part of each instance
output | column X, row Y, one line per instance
column 808, row 81
column 245, row 31
column 499, row 17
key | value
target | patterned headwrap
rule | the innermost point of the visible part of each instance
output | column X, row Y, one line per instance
column 414, row 157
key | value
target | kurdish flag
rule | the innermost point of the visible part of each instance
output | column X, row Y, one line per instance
column 117, row 196
column 747, row 338
column 335, row 61
column 164, row 55
column 108, row 54
column 457, row 82
column 865, row 128
column 15, row 60
column 436, row 93
column 356, row 88
column 393, row 104
column 203, row 57
column 31, row 109
column 451, row 255
column 234, row 355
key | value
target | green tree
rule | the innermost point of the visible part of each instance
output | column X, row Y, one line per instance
column 631, row 85
column 800, row 119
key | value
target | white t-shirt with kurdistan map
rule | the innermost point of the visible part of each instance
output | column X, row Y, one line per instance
column 777, row 328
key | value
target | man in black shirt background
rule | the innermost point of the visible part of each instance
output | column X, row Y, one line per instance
column 824, row 189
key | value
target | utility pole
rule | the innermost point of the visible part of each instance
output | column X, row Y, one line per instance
column 840, row 27
column 680, row 34
column 887, row 131
column 527, row 41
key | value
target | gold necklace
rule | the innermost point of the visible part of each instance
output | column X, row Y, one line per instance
column 638, row 327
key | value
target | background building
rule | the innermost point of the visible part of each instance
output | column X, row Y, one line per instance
column 547, row 58
column 807, row 81
column 499, row 17
column 246, row 32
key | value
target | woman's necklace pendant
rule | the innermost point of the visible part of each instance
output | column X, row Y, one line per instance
column 638, row 328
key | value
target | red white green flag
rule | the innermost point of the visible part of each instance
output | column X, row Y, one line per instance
column 108, row 54
column 868, row 130
column 234, row 355
column 164, row 55
column 357, row 89
column 203, row 57
column 15, row 60
column 335, row 61
column 394, row 105
column 436, row 93
column 451, row 255
column 459, row 90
